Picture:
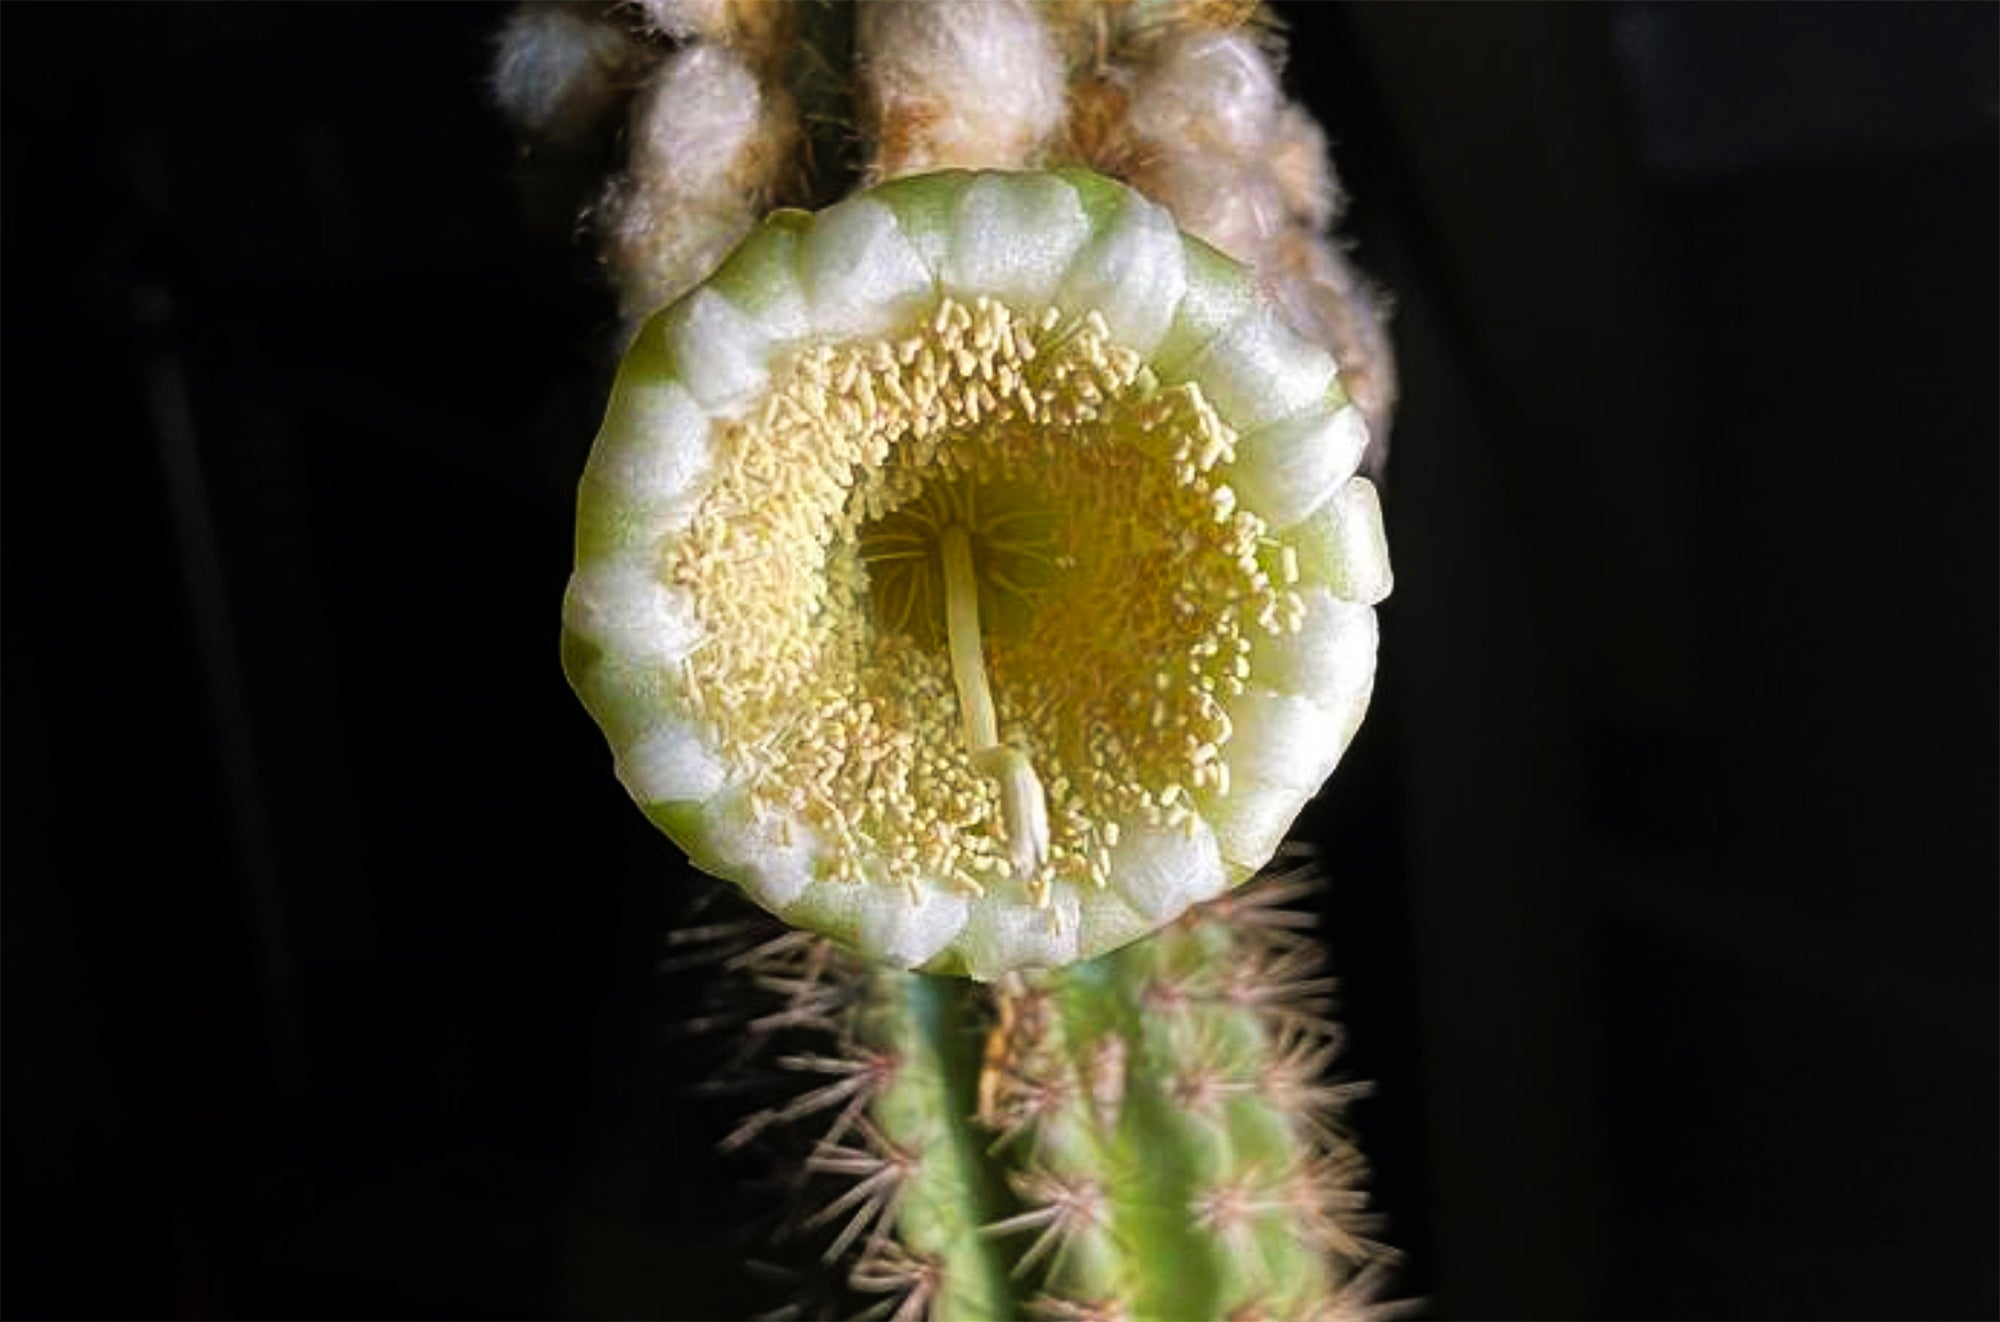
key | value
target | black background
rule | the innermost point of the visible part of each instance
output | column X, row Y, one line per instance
column 1664, row 878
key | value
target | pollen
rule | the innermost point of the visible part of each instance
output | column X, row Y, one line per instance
column 974, row 597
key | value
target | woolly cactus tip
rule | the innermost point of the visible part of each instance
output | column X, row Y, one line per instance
column 975, row 571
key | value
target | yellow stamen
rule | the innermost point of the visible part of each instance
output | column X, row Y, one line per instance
column 963, row 633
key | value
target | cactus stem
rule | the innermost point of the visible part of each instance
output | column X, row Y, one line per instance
column 1183, row 1151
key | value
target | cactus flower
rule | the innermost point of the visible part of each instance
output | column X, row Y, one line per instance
column 975, row 571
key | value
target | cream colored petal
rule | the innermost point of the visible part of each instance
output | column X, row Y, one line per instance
column 653, row 462
column 1250, row 821
column 862, row 274
column 1331, row 656
column 909, row 932
column 1108, row 922
column 761, row 279
column 656, row 443
column 1288, row 469
column 1160, row 870
column 1281, row 740
column 1132, row 273
column 769, row 852
column 1341, row 544
column 1002, row 936
column 1261, row 371
column 1219, row 294
column 926, row 208
column 1268, row 790
column 669, row 764
column 717, row 351
column 1013, row 236
column 624, row 697
column 621, row 606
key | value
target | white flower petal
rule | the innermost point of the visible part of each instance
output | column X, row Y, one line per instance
column 1251, row 820
column 655, row 453
column 671, row 763
column 1286, row 470
column 1132, row 273
column 1013, row 236
column 925, row 209
column 831, row 908
column 1260, row 371
column 908, row 932
column 608, row 528
column 761, row 279
column 1349, row 708
column 626, row 699
column 1331, row 656
column 861, row 273
column 769, row 852
column 1341, row 544
column 621, row 606
column 1281, row 740
column 1219, row 294
column 1107, row 922
column 1002, row 936
column 1161, row 870
column 716, row 350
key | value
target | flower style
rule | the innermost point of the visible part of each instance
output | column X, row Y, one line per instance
column 976, row 571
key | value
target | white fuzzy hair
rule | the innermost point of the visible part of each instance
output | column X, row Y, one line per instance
column 972, row 84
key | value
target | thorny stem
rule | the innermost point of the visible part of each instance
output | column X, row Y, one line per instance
column 1024, row 807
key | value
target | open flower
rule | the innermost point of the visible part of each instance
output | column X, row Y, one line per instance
column 975, row 571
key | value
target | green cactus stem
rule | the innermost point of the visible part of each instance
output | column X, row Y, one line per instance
column 1147, row 1135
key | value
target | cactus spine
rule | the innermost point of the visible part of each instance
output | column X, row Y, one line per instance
column 1146, row 1133
column 1150, row 1134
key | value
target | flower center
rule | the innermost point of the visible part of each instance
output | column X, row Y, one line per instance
column 975, row 597
column 1010, row 531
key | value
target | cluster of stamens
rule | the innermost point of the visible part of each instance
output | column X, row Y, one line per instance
column 1021, row 476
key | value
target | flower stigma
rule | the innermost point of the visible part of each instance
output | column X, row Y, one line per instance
column 1024, row 808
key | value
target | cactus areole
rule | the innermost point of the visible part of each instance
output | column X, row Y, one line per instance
column 976, row 571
